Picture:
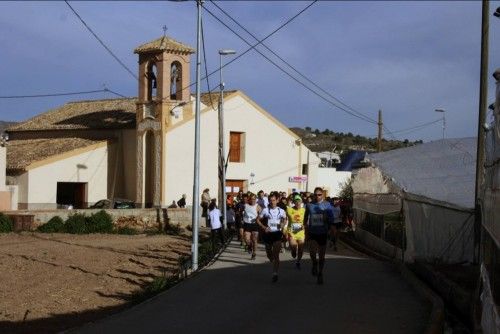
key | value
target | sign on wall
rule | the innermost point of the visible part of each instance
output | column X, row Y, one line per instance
column 297, row 179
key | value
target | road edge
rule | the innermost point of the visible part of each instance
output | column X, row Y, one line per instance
column 436, row 319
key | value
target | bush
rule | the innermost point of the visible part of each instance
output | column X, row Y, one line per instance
column 5, row 224
column 100, row 222
column 126, row 231
column 54, row 225
column 76, row 224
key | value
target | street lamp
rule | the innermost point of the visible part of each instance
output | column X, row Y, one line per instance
column 444, row 118
column 222, row 169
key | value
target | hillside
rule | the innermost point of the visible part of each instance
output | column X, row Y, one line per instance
column 4, row 125
column 327, row 140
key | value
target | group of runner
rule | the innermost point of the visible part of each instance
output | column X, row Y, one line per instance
column 279, row 219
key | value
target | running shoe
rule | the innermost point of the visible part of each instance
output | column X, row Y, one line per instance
column 253, row 257
column 314, row 271
column 320, row 279
column 275, row 278
column 297, row 265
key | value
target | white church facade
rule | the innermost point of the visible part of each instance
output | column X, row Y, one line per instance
column 143, row 148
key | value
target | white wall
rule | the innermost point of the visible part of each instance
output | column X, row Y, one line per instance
column 42, row 181
column 331, row 180
column 270, row 152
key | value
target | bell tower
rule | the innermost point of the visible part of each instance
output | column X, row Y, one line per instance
column 163, row 89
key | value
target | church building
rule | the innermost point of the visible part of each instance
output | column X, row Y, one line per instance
column 142, row 148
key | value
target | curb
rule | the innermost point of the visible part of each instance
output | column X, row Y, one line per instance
column 436, row 319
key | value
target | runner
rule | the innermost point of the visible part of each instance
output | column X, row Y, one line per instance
column 317, row 218
column 296, row 233
column 239, row 209
column 337, row 223
column 250, row 214
column 275, row 218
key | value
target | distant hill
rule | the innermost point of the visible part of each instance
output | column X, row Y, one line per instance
column 327, row 140
column 4, row 125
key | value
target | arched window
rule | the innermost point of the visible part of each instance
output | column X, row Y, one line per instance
column 152, row 81
column 175, row 81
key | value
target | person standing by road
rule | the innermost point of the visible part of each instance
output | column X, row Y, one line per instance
column 272, row 221
column 317, row 219
column 295, row 231
column 205, row 202
column 215, row 224
column 250, row 214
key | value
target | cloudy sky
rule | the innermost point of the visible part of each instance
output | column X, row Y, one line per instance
column 406, row 58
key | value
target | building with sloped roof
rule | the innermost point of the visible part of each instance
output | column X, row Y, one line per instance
column 142, row 148
column 432, row 186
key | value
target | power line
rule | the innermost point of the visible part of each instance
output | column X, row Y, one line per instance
column 417, row 127
column 253, row 46
column 291, row 66
column 101, row 42
column 206, row 66
column 286, row 72
column 60, row 94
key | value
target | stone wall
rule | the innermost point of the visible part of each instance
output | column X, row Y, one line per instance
column 139, row 219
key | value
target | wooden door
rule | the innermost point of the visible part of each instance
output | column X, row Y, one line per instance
column 234, row 186
column 235, row 147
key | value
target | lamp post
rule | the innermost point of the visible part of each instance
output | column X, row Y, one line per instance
column 222, row 169
column 196, row 181
column 444, row 118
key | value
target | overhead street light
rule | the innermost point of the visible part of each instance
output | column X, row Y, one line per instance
column 222, row 164
column 444, row 118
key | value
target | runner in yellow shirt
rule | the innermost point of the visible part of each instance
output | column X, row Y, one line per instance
column 296, row 235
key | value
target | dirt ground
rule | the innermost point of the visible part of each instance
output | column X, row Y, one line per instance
column 50, row 282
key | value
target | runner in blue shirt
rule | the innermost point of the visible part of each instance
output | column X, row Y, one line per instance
column 317, row 221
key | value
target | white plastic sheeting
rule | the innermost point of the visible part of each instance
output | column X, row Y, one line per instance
column 434, row 184
column 491, row 188
column 490, row 319
column 436, row 233
column 442, row 170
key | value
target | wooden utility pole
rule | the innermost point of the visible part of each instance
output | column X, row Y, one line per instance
column 483, row 96
column 379, row 139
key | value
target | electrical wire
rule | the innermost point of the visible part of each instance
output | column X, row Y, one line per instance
column 253, row 46
column 417, row 127
column 100, row 41
column 291, row 66
column 285, row 71
column 206, row 66
column 60, row 94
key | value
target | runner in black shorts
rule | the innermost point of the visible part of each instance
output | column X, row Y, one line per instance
column 272, row 221
column 317, row 220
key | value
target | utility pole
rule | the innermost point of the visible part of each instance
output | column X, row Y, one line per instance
column 196, row 181
column 483, row 95
column 380, row 124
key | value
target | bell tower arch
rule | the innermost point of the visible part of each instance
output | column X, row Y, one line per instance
column 163, row 85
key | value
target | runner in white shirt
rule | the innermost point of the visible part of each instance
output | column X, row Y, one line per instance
column 215, row 224
column 272, row 221
column 250, row 214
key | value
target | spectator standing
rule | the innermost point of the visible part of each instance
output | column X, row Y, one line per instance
column 182, row 201
column 205, row 202
column 215, row 224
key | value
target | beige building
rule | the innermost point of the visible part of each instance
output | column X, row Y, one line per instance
column 143, row 148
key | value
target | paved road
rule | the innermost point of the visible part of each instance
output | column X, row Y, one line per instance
column 235, row 295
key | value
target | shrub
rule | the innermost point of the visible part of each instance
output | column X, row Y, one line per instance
column 126, row 231
column 172, row 229
column 5, row 224
column 100, row 222
column 76, row 224
column 54, row 225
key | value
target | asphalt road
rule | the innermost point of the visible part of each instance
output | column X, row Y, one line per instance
column 235, row 295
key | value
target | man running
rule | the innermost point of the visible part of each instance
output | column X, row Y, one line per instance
column 250, row 215
column 239, row 209
column 272, row 221
column 318, row 217
column 296, row 234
